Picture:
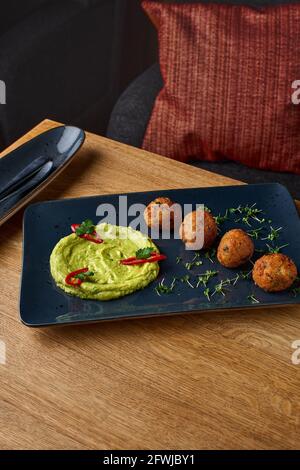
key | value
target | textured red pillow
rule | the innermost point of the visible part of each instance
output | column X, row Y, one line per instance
column 228, row 73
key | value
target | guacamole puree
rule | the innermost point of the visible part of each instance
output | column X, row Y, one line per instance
column 111, row 279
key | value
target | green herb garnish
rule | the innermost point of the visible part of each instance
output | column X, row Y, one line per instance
column 206, row 277
column 273, row 235
column 296, row 291
column 253, row 299
column 210, row 255
column 234, row 281
column 248, row 213
column 252, row 212
column 191, row 265
column 207, row 293
column 87, row 227
column 196, row 261
column 234, row 210
column 186, row 279
column 144, row 253
column 255, row 233
column 83, row 276
column 162, row 288
column 220, row 288
column 245, row 274
column 220, row 219
column 276, row 249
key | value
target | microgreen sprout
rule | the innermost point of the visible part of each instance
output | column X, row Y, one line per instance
column 277, row 249
column 162, row 288
column 210, row 255
column 253, row 212
column 234, row 281
column 220, row 219
column 296, row 291
column 234, row 210
column 245, row 274
column 195, row 262
column 207, row 293
column 254, row 233
column 196, row 257
column 186, row 279
column 253, row 299
column 248, row 214
column 296, row 287
column 220, row 288
column 206, row 277
column 273, row 235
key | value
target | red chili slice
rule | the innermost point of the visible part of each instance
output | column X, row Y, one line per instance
column 154, row 258
column 74, row 227
column 71, row 279
column 86, row 236
column 92, row 238
column 134, row 258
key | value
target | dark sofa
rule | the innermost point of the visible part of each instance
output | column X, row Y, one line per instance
column 131, row 114
column 67, row 60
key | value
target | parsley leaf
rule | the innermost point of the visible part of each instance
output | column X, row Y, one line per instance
column 83, row 276
column 87, row 227
column 144, row 253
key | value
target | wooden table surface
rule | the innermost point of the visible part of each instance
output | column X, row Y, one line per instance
column 209, row 381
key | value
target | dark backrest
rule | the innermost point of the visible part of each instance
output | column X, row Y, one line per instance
column 139, row 39
column 13, row 11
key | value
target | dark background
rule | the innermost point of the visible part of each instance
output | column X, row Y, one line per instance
column 69, row 60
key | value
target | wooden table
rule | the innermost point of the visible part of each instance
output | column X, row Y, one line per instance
column 209, row 381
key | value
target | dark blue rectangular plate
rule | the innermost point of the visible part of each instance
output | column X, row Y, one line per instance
column 43, row 304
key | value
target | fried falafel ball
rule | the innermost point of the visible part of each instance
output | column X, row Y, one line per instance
column 160, row 213
column 198, row 230
column 274, row 272
column 236, row 248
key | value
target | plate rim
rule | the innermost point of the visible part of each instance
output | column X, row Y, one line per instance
column 33, row 206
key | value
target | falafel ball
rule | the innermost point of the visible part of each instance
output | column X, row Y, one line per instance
column 160, row 213
column 274, row 272
column 236, row 248
column 192, row 232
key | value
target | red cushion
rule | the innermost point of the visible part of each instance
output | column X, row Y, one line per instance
column 228, row 74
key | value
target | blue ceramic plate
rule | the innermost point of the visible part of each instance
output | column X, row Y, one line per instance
column 43, row 304
column 52, row 151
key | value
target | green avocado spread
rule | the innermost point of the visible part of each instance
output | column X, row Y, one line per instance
column 111, row 279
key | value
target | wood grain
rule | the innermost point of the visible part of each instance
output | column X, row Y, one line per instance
column 211, row 381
